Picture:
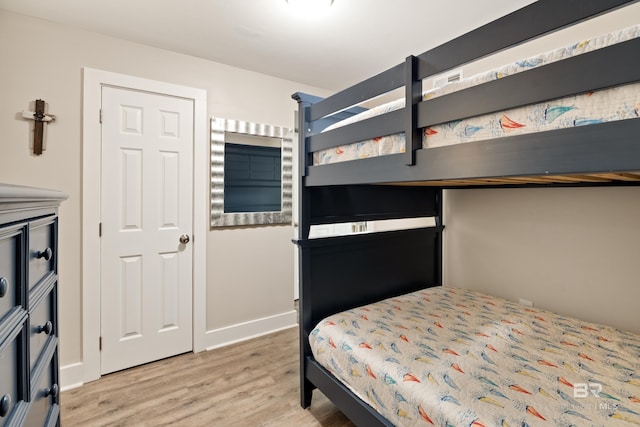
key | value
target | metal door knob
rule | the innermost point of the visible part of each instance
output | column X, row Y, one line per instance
column 184, row 239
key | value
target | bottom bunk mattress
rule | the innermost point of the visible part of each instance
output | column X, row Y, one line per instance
column 454, row 357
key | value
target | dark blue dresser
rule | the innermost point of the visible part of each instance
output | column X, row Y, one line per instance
column 29, row 373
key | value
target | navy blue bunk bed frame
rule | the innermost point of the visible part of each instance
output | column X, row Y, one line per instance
column 339, row 273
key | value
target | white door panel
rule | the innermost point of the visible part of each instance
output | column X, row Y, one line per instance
column 146, row 279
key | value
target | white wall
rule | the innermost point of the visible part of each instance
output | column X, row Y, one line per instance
column 571, row 250
column 39, row 59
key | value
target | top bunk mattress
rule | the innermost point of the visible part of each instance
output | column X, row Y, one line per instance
column 444, row 356
column 617, row 103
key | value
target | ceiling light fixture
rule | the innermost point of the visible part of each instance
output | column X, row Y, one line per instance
column 310, row 7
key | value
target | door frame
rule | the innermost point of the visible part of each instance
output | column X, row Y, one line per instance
column 93, row 81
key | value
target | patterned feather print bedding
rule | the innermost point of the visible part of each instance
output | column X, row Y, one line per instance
column 454, row 357
column 589, row 108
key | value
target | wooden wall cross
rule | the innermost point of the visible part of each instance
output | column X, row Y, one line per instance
column 40, row 118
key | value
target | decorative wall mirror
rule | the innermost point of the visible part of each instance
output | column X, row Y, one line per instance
column 251, row 173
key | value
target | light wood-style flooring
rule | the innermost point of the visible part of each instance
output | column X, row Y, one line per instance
column 253, row 383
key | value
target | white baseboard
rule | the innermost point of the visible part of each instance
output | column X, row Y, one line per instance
column 71, row 376
column 252, row 329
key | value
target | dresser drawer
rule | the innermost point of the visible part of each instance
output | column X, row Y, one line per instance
column 41, row 249
column 42, row 324
column 11, row 376
column 11, row 287
column 44, row 409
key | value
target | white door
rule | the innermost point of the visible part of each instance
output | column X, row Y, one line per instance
column 146, row 210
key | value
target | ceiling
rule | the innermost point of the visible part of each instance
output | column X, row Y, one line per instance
column 356, row 39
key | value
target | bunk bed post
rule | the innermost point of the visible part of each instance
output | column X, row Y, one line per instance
column 305, row 324
column 439, row 257
column 303, row 163
column 304, row 226
column 413, row 95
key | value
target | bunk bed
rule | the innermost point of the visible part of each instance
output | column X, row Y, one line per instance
column 341, row 276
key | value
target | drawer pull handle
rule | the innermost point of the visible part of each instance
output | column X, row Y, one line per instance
column 5, row 405
column 4, row 286
column 47, row 328
column 46, row 254
column 53, row 391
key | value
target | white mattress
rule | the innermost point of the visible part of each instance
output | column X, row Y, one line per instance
column 608, row 105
